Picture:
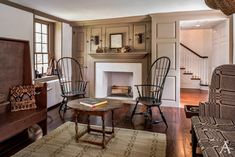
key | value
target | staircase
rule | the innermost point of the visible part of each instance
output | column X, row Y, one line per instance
column 193, row 68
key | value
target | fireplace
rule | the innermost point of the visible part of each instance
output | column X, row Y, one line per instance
column 119, row 84
column 122, row 75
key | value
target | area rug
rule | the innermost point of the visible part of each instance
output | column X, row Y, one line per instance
column 126, row 143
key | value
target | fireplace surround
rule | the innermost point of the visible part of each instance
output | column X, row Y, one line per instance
column 106, row 73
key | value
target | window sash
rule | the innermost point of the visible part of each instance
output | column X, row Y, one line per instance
column 41, row 47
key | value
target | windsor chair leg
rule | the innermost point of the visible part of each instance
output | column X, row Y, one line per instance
column 133, row 112
column 150, row 113
column 62, row 104
column 65, row 105
column 148, row 116
column 163, row 118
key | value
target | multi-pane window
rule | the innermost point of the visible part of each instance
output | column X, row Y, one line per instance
column 41, row 47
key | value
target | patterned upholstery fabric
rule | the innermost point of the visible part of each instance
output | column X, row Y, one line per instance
column 3, row 98
column 217, row 116
column 222, row 93
column 212, row 132
column 22, row 98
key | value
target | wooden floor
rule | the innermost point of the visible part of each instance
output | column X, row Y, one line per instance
column 178, row 132
column 192, row 96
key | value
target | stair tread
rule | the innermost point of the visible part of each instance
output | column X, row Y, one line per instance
column 195, row 78
column 185, row 73
column 204, row 85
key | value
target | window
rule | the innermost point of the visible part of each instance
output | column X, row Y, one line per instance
column 41, row 46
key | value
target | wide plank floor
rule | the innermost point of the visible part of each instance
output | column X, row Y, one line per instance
column 178, row 132
column 192, row 96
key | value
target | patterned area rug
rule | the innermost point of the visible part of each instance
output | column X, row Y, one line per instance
column 126, row 143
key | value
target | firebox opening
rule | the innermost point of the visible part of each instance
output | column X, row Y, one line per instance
column 120, row 84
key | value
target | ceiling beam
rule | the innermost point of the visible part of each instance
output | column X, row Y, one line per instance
column 131, row 19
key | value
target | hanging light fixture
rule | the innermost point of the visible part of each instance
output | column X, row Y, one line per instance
column 226, row 6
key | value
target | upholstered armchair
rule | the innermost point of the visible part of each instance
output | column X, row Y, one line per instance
column 221, row 103
column 216, row 121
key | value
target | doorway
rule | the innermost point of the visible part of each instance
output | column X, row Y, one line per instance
column 204, row 45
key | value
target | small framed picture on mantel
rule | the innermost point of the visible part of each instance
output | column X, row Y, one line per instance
column 116, row 40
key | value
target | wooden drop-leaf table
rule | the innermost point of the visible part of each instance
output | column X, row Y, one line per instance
column 101, row 111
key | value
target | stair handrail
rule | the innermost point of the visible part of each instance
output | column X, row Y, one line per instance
column 193, row 51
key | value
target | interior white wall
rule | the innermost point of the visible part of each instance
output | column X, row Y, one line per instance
column 233, row 39
column 17, row 24
column 199, row 40
column 213, row 43
column 66, row 40
column 58, row 43
column 122, row 78
column 220, row 49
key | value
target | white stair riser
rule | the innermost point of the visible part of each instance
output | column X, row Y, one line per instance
column 187, row 82
column 192, row 63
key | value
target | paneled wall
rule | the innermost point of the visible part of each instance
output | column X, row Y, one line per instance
column 166, row 42
column 84, row 44
column 79, row 44
column 83, row 37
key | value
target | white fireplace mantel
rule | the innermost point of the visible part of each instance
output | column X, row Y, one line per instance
column 130, row 55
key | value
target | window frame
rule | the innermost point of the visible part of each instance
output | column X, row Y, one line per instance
column 49, row 43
